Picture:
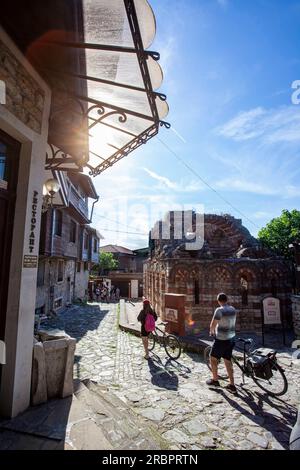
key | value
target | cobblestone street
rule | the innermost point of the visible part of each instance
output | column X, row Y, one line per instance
column 173, row 394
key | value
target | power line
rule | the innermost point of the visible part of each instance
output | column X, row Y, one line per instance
column 128, row 233
column 118, row 223
column 206, row 184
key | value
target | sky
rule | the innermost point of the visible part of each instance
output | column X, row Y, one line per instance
column 234, row 145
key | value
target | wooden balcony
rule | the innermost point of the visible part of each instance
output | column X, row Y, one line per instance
column 79, row 203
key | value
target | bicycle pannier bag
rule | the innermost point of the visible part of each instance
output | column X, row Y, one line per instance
column 149, row 323
column 261, row 365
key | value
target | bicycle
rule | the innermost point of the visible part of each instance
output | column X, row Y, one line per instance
column 260, row 365
column 171, row 343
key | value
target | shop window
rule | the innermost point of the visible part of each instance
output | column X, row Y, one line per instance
column 73, row 231
column 196, row 293
column 41, row 274
column 58, row 223
column 86, row 266
column 60, row 271
column 244, row 291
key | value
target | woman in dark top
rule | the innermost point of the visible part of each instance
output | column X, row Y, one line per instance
column 142, row 318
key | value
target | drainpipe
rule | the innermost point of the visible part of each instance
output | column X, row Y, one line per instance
column 95, row 202
column 74, row 281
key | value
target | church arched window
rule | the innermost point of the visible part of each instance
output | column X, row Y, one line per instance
column 244, row 290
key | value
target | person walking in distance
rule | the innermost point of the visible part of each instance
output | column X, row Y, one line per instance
column 117, row 294
column 222, row 327
column 147, row 317
column 97, row 291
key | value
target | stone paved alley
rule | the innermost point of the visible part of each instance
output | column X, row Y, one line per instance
column 173, row 394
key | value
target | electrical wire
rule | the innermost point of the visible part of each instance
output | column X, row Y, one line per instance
column 128, row 233
column 195, row 173
column 116, row 222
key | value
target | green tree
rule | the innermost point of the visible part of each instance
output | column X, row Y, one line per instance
column 107, row 262
column 280, row 232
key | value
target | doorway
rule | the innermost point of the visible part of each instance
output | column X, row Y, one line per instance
column 9, row 165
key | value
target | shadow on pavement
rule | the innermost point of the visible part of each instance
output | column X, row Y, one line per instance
column 40, row 427
column 165, row 374
column 77, row 321
column 279, row 427
column 161, row 376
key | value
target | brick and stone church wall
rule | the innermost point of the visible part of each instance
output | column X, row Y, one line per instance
column 213, row 278
column 245, row 280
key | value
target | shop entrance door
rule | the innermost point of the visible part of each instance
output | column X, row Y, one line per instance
column 9, row 164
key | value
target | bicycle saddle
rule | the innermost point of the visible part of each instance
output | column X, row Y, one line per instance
column 246, row 341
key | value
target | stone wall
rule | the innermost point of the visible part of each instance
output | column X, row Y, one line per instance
column 296, row 314
column 52, row 289
column 81, row 283
column 69, row 290
column 24, row 97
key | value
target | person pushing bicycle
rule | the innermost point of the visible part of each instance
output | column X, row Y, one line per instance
column 222, row 327
column 147, row 314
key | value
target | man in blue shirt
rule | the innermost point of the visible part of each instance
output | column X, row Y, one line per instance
column 222, row 327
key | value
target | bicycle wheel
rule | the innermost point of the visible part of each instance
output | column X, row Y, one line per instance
column 172, row 346
column 222, row 373
column 151, row 341
column 277, row 385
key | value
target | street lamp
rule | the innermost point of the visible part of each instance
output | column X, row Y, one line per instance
column 50, row 188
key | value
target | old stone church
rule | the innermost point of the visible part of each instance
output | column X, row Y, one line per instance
column 231, row 260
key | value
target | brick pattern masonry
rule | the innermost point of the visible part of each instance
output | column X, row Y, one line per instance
column 230, row 256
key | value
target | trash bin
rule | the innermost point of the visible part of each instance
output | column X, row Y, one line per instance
column 52, row 368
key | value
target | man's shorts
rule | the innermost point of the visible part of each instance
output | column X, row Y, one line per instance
column 223, row 348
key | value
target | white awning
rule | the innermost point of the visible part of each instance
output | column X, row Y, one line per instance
column 120, row 99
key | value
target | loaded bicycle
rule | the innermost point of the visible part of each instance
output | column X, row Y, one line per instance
column 260, row 365
column 170, row 342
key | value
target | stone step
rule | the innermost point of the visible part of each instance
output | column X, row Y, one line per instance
column 120, row 425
